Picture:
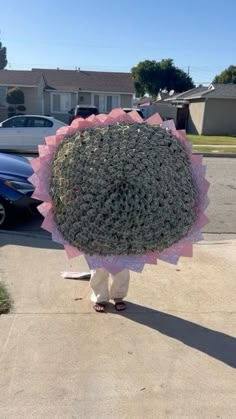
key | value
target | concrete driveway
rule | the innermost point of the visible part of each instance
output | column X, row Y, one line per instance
column 172, row 354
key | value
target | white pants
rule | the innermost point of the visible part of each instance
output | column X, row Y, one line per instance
column 99, row 285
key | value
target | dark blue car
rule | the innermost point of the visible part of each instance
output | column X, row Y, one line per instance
column 15, row 189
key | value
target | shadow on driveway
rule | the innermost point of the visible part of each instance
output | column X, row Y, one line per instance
column 218, row 345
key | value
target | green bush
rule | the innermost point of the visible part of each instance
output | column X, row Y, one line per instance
column 11, row 109
column 15, row 96
column 5, row 299
column 21, row 108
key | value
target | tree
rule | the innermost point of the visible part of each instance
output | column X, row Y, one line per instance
column 15, row 97
column 226, row 76
column 151, row 76
column 3, row 57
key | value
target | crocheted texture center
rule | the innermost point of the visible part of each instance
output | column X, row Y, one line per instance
column 122, row 189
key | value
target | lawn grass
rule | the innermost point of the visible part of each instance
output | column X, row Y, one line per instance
column 5, row 299
column 211, row 139
column 213, row 150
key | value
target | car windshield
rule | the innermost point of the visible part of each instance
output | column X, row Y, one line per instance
column 84, row 112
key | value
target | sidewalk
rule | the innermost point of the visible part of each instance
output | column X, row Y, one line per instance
column 171, row 355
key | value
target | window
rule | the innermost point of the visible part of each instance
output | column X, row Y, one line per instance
column 115, row 101
column 36, row 122
column 3, row 93
column 56, row 104
column 15, row 122
column 61, row 102
column 109, row 103
column 96, row 101
column 100, row 103
column 105, row 103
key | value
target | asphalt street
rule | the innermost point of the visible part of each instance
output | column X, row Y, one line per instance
column 221, row 173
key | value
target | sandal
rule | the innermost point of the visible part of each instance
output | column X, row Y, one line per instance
column 99, row 307
column 120, row 305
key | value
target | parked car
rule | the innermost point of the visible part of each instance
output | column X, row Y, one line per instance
column 15, row 189
column 26, row 132
column 83, row 111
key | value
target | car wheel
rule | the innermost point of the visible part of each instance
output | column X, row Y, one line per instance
column 3, row 213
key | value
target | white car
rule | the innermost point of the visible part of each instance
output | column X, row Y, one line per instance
column 25, row 132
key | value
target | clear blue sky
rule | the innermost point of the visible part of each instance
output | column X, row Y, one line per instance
column 115, row 35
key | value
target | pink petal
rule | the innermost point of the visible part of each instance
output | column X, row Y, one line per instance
column 63, row 130
column 109, row 121
column 170, row 257
column 173, row 253
column 51, row 140
column 194, row 235
column 45, row 208
column 182, row 134
column 43, row 150
column 154, row 119
column 197, row 159
column 185, row 249
column 71, row 251
column 80, row 123
column 116, row 113
column 134, row 115
column 57, row 236
column 102, row 117
column 202, row 221
column 205, row 186
column 35, row 164
column 91, row 118
column 169, row 125
column 151, row 258
column 41, row 194
column 34, row 179
column 124, row 118
column 47, row 223
column 95, row 121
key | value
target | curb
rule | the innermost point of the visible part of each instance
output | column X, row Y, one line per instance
column 222, row 155
column 29, row 234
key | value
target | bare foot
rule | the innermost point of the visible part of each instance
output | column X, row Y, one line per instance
column 119, row 304
column 99, row 307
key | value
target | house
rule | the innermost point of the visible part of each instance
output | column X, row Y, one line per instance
column 56, row 92
column 166, row 109
column 211, row 109
column 32, row 85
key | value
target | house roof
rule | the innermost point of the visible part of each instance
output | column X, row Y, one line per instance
column 215, row 90
column 144, row 100
column 19, row 78
column 196, row 91
column 74, row 80
column 220, row 90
